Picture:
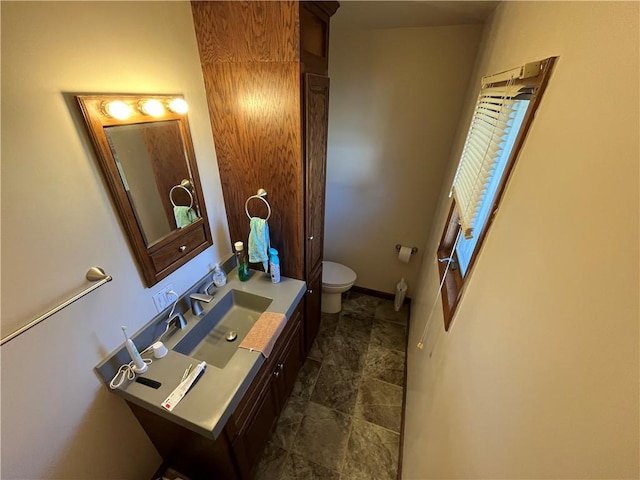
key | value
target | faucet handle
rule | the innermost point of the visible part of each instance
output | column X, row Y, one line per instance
column 202, row 297
column 196, row 298
column 205, row 290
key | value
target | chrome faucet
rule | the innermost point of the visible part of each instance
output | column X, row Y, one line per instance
column 196, row 298
column 177, row 321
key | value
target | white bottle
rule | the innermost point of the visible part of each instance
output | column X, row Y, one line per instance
column 138, row 364
column 274, row 265
column 219, row 278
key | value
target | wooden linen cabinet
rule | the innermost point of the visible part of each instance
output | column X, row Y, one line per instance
column 316, row 94
column 265, row 66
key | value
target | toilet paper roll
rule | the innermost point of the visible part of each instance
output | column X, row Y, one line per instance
column 404, row 255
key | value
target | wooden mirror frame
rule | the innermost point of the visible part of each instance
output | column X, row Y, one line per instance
column 173, row 250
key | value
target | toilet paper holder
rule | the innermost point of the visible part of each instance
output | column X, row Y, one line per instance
column 414, row 250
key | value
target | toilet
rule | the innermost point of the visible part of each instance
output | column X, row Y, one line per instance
column 336, row 279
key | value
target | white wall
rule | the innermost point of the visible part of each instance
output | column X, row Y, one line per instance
column 538, row 377
column 58, row 420
column 396, row 96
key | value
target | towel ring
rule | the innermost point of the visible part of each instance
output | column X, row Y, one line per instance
column 261, row 197
column 185, row 189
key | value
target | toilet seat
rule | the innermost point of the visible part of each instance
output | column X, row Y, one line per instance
column 337, row 275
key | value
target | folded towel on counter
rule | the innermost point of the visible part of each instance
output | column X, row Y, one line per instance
column 184, row 216
column 259, row 242
column 264, row 333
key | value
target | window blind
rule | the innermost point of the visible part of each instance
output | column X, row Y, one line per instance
column 489, row 130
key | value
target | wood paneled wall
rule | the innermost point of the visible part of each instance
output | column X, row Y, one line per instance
column 249, row 53
column 247, row 31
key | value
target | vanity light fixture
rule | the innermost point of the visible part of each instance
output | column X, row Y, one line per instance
column 178, row 105
column 117, row 109
column 151, row 107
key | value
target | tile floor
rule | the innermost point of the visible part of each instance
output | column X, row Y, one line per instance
column 343, row 419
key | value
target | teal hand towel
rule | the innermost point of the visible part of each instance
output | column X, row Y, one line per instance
column 259, row 242
column 184, row 216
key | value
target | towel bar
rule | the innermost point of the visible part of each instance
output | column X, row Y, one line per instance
column 185, row 185
column 95, row 274
column 260, row 196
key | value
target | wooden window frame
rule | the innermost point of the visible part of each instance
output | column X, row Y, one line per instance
column 454, row 283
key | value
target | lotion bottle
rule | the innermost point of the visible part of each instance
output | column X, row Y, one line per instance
column 274, row 265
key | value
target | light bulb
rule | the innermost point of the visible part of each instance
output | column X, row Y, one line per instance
column 152, row 107
column 178, row 105
column 118, row 110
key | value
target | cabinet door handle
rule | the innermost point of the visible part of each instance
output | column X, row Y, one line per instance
column 277, row 373
column 183, row 248
column 310, row 237
column 281, row 366
column 309, row 291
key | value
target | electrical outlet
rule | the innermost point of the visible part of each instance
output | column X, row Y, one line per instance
column 163, row 298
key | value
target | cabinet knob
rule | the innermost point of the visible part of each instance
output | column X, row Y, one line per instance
column 281, row 366
column 310, row 237
column 183, row 248
column 309, row 291
column 277, row 373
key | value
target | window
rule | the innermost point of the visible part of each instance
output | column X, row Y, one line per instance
column 503, row 114
column 466, row 246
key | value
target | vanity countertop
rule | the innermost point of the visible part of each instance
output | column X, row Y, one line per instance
column 208, row 405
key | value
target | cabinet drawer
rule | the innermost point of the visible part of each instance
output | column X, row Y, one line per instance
column 177, row 249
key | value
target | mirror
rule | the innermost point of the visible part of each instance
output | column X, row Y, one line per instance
column 145, row 151
column 148, row 157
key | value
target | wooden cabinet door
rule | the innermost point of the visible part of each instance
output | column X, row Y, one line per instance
column 312, row 313
column 257, row 414
column 316, row 116
column 188, row 452
column 250, row 443
column 290, row 361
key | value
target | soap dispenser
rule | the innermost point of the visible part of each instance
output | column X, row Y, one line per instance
column 219, row 278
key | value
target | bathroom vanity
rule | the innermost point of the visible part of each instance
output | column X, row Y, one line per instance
column 221, row 426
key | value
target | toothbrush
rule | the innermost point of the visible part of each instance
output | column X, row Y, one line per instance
column 138, row 364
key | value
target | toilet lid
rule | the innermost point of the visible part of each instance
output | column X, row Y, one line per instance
column 337, row 274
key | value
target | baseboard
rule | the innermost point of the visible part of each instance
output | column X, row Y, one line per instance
column 376, row 293
column 404, row 395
